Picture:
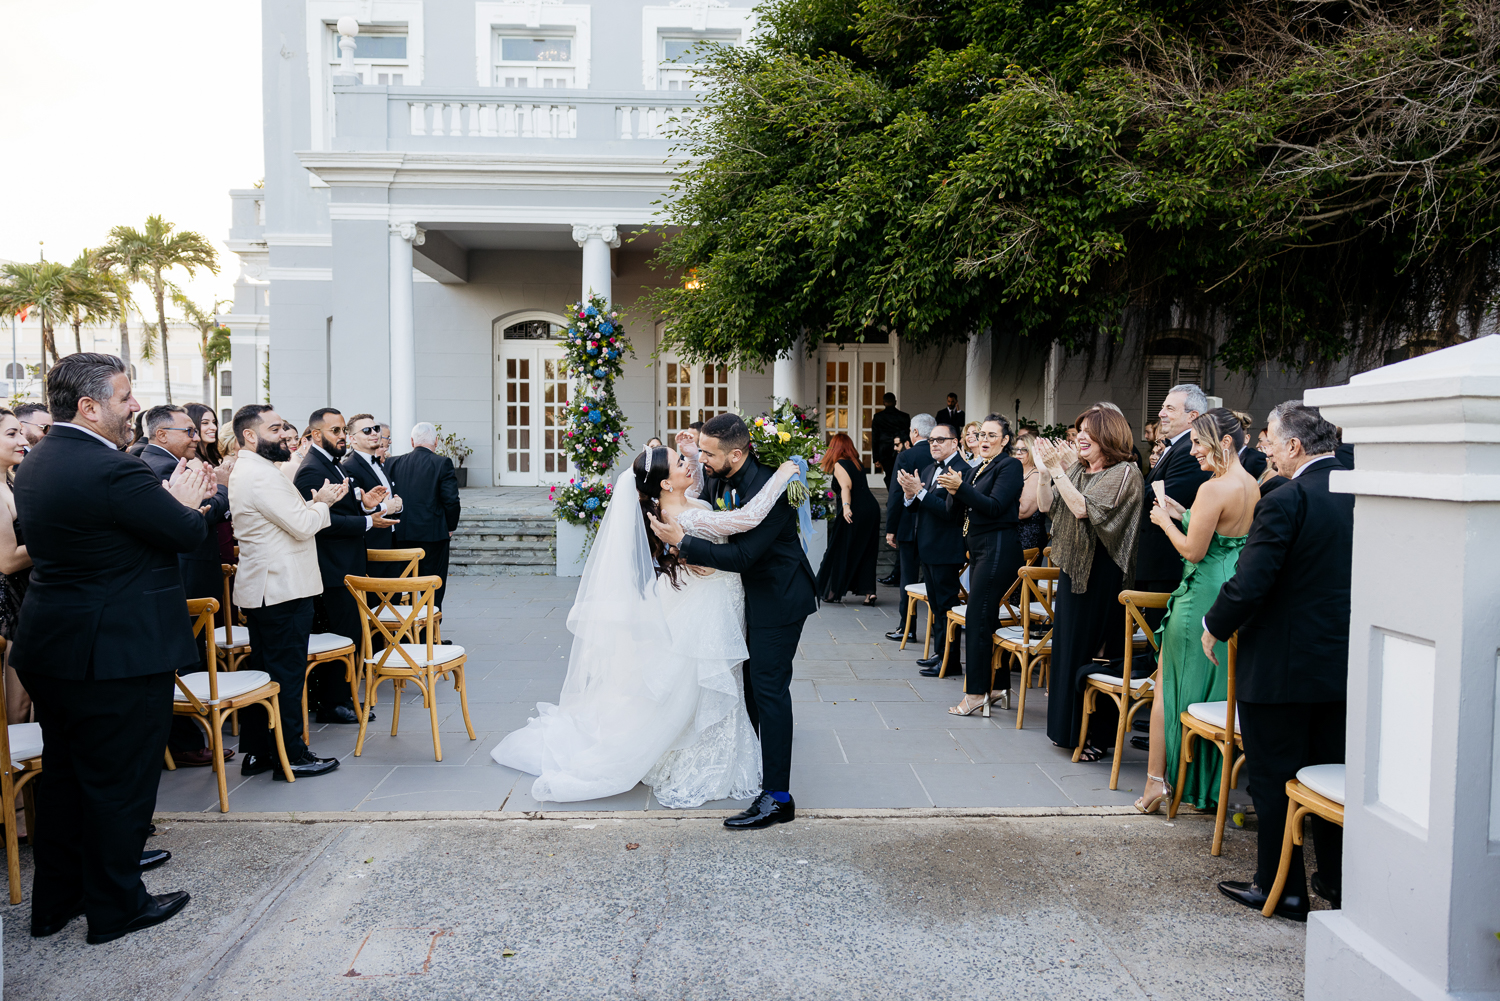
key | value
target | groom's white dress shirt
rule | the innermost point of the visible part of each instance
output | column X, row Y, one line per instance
column 276, row 530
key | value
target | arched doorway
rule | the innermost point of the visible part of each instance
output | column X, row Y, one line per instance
column 531, row 395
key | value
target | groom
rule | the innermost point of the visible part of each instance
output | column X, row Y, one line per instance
column 779, row 596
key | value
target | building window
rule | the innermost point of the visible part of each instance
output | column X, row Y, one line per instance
column 534, row 330
column 133, row 376
column 15, row 370
column 1171, row 362
column 226, row 382
column 679, row 54
column 226, row 418
column 535, row 59
column 379, row 55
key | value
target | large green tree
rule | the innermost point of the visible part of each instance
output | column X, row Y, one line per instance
column 1305, row 181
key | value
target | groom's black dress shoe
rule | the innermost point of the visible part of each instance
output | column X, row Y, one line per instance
column 895, row 636
column 764, row 812
column 1252, row 896
column 162, row 907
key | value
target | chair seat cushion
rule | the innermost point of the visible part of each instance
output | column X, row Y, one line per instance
column 1325, row 780
column 920, row 590
column 441, row 654
column 388, row 614
column 959, row 612
column 240, row 636
column 1115, row 679
column 1010, row 634
column 231, row 684
column 319, row 643
column 1213, row 713
column 26, row 742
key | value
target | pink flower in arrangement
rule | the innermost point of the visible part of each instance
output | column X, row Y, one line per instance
column 830, row 493
column 608, row 487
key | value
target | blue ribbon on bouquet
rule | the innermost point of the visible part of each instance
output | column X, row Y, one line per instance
column 804, row 511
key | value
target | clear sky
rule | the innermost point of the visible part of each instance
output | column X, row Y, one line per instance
column 111, row 111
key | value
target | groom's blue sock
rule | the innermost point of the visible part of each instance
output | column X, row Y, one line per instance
column 780, row 797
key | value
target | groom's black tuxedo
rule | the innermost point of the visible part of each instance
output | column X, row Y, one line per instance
column 780, row 594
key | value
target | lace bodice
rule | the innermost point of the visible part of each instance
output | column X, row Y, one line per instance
column 702, row 521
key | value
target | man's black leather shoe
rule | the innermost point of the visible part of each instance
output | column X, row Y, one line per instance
column 307, row 767
column 51, row 926
column 895, row 636
column 163, row 906
column 889, row 581
column 151, row 858
column 764, row 812
column 253, row 764
column 1252, row 896
column 933, row 661
column 1328, row 893
column 932, row 672
column 341, row 714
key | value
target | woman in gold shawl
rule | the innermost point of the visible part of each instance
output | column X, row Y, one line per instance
column 1093, row 492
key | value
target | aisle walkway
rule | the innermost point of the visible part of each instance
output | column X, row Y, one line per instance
column 870, row 733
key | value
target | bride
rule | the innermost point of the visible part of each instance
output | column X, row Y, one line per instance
column 653, row 692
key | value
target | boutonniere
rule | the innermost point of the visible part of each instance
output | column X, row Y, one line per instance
column 729, row 501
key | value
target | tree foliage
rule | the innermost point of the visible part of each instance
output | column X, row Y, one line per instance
column 1302, row 181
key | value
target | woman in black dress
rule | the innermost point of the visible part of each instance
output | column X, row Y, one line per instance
column 990, row 495
column 854, row 533
column 15, row 563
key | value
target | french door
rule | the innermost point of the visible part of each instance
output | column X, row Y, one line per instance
column 532, row 392
column 690, row 393
column 855, row 381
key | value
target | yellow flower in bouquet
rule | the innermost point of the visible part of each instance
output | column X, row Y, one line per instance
column 784, row 436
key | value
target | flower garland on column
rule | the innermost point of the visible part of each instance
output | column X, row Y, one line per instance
column 594, row 433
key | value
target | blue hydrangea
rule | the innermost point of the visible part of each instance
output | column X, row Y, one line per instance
column 601, row 372
column 591, row 311
column 591, row 503
column 606, row 327
column 593, row 351
column 595, row 416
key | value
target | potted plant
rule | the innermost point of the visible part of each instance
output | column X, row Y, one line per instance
column 457, row 450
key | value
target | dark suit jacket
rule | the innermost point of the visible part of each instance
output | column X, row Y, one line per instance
column 885, row 427
column 341, row 546
column 1289, row 596
column 106, row 598
column 991, row 500
column 940, row 532
column 358, row 470
column 901, row 521
column 1156, row 558
column 780, row 588
column 1254, row 460
column 202, row 576
column 429, row 495
column 953, row 418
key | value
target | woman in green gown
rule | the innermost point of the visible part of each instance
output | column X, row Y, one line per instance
column 1210, row 540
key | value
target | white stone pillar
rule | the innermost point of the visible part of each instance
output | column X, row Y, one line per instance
column 404, row 235
column 597, row 242
column 976, row 401
column 1421, row 895
column 786, row 373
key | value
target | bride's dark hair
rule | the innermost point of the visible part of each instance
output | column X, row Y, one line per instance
column 653, row 466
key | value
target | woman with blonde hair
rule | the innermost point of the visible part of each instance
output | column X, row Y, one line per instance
column 1095, row 529
column 968, row 442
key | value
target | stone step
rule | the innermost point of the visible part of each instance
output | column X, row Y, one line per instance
column 493, row 543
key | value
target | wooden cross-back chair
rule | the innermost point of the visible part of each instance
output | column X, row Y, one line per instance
column 1210, row 721
column 411, row 557
column 20, row 763
column 1130, row 690
column 231, row 636
column 207, row 696
column 1319, row 790
column 1017, row 641
column 918, row 592
column 403, row 659
column 1010, row 601
column 330, row 648
column 958, row 616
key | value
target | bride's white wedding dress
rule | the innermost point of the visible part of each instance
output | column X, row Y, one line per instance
column 654, row 692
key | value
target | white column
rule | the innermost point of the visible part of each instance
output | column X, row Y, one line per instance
column 976, row 401
column 597, row 241
column 786, row 374
column 1422, row 785
column 404, row 236
column 1049, row 383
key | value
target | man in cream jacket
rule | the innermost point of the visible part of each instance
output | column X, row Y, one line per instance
column 277, row 578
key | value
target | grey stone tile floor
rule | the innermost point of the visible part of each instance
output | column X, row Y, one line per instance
column 869, row 731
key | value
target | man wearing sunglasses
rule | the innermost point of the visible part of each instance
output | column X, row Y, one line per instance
column 35, row 422
column 363, row 466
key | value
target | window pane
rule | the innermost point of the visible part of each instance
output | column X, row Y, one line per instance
column 536, row 50
column 380, row 47
column 677, row 48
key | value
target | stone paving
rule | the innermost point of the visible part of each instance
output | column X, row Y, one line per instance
column 870, row 732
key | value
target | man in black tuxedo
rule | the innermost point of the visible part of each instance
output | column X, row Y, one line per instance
column 1251, row 457
column 171, row 436
column 1158, row 565
column 362, row 465
column 952, row 416
column 886, row 428
column 940, row 535
column 431, row 509
column 341, row 551
column 1289, row 600
column 901, row 523
column 780, row 593
column 101, row 633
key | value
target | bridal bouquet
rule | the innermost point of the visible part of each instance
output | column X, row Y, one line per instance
column 787, row 433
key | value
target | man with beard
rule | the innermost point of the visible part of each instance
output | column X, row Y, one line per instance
column 277, row 579
column 341, row 551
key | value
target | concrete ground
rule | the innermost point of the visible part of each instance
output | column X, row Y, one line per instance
column 635, row 905
column 870, row 732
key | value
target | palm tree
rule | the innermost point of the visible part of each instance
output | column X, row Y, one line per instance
column 86, row 297
column 41, row 287
column 213, row 340
column 119, row 270
column 155, row 250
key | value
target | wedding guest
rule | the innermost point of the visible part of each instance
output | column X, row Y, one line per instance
column 216, row 450
column 854, row 533
column 135, row 441
column 101, row 632
column 989, row 498
column 1251, row 457
column 697, row 428
column 653, row 442
column 341, row 551
column 15, row 563
column 901, row 522
column 431, row 507
column 1289, row 602
column 35, row 422
column 362, row 465
column 1158, row 449
column 887, row 428
column 1096, row 493
column 969, row 447
column 951, row 415
column 1210, row 540
column 940, row 535
column 1031, row 530
column 208, row 432
column 1158, row 567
